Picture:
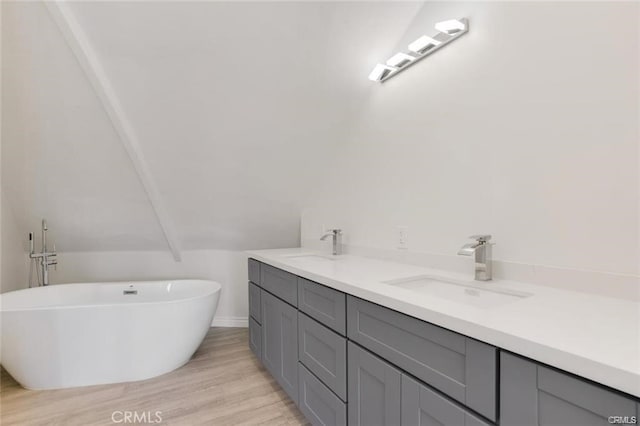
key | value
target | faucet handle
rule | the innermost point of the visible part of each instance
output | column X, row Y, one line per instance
column 482, row 238
column 335, row 231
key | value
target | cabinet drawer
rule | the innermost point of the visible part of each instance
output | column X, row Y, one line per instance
column 460, row 367
column 319, row 405
column 324, row 353
column 255, row 337
column 254, row 271
column 532, row 394
column 323, row 304
column 421, row 405
column 280, row 283
column 254, row 303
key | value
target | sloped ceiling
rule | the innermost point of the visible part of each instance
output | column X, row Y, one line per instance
column 238, row 108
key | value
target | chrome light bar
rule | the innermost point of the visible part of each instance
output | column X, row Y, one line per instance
column 421, row 48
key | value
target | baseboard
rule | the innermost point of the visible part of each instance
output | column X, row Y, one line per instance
column 230, row 322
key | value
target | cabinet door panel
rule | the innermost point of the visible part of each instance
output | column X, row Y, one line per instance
column 532, row 395
column 271, row 334
column 374, row 389
column 255, row 337
column 422, row 406
column 289, row 375
column 280, row 342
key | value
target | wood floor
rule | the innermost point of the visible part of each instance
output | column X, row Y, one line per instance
column 223, row 384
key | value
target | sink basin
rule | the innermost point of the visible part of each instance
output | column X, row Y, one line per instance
column 468, row 293
column 309, row 256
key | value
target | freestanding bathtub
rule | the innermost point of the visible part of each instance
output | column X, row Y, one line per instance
column 70, row 335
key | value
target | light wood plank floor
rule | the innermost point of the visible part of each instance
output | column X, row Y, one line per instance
column 223, row 384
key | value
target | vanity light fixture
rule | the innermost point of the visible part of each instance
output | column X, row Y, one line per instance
column 400, row 60
column 424, row 46
column 380, row 72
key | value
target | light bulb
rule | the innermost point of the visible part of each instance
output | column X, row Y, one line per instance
column 380, row 71
column 451, row 26
column 400, row 59
column 423, row 44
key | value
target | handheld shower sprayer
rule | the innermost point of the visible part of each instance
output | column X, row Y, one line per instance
column 44, row 235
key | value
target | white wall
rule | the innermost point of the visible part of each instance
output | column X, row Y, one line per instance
column 13, row 265
column 14, row 259
column 525, row 128
column 0, row 151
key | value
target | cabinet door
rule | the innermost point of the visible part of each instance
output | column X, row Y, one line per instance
column 280, row 342
column 532, row 394
column 373, row 390
column 255, row 337
column 422, row 406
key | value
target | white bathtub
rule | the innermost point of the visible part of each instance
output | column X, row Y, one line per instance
column 70, row 335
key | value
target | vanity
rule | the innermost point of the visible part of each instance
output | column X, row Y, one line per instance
column 349, row 348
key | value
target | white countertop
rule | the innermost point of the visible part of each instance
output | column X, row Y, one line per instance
column 592, row 336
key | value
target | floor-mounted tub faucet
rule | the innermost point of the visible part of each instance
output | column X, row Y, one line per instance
column 481, row 250
column 46, row 258
column 337, row 240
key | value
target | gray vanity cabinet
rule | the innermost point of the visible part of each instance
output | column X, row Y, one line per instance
column 280, row 342
column 374, row 389
column 422, row 406
column 532, row 394
column 344, row 360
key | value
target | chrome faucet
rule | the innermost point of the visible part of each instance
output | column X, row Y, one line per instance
column 337, row 240
column 46, row 258
column 481, row 250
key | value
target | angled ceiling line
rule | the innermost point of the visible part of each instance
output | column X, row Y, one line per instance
column 88, row 60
